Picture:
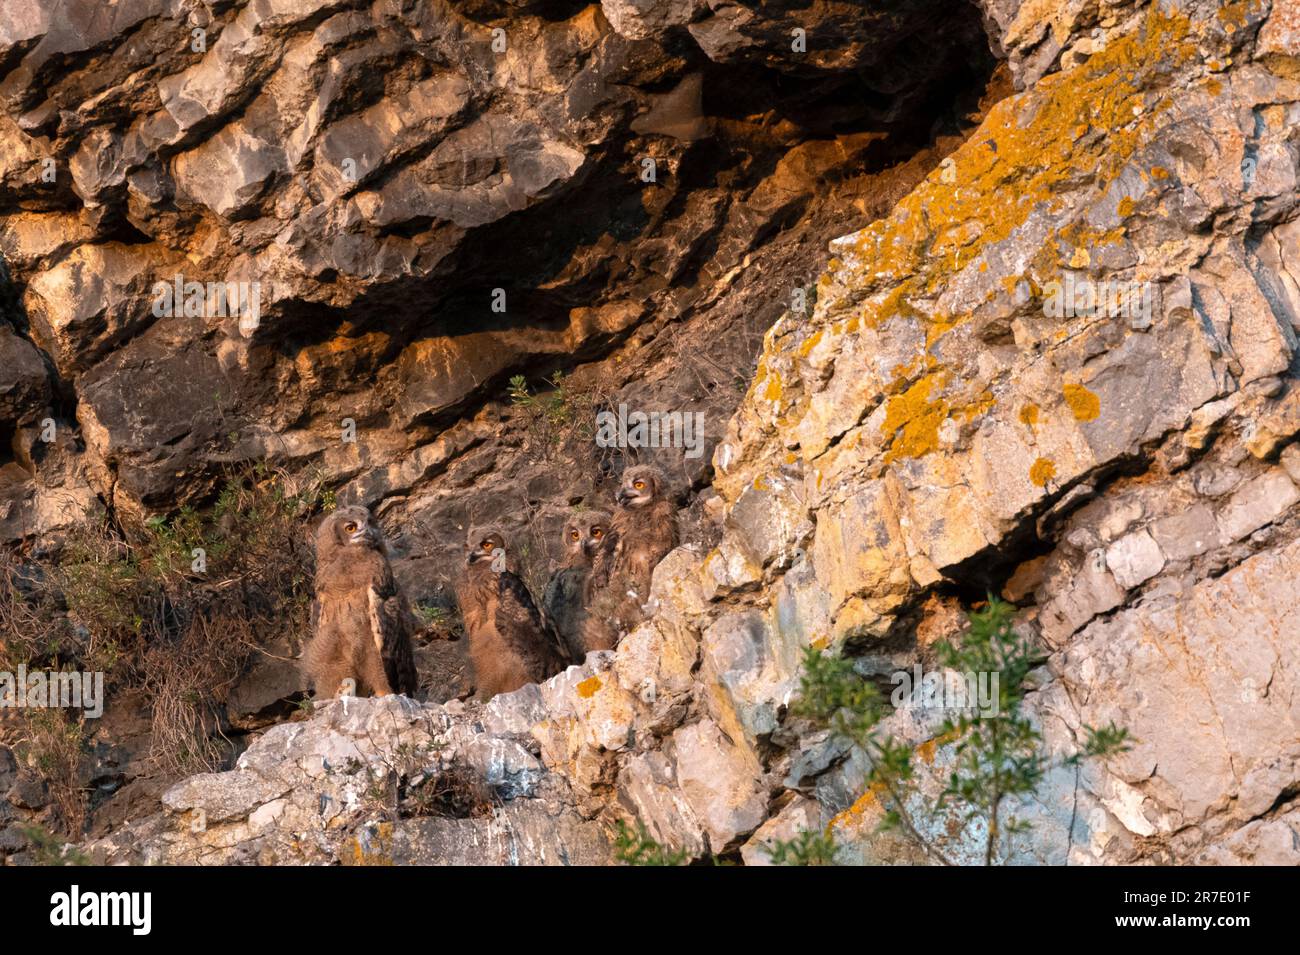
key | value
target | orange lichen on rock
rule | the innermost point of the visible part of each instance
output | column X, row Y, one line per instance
column 855, row 812
column 1083, row 403
column 1042, row 471
column 1033, row 145
column 912, row 421
column 773, row 390
column 588, row 687
column 810, row 343
column 985, row 402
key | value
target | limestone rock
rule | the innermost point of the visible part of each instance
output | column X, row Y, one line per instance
column 1054, row 355
column 720, row 781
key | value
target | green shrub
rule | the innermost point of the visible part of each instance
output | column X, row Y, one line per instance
column 176, row 607
column 998, row 757
column 636, row 847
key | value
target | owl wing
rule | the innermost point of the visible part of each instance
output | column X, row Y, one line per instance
column 603, row 563
column 553, row 599
column 564, row 608
column 391, row 628
column 399, row 655
column 516, row 614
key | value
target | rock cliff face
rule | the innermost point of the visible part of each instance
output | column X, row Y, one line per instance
column 1056, row 360
column 428, row 198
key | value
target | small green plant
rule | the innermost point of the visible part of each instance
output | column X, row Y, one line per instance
column 431, row 615
column 807, row 848
column 636, row 847
column 520, row 394
column 555, row 416
column 998, row 757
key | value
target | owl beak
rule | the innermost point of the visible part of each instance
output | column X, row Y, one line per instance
column 622, row 496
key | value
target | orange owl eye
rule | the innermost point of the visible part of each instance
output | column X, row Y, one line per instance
column 487, row 545
column 597, row 533
column 573, row 535
column 350, row 527
column 638, row 484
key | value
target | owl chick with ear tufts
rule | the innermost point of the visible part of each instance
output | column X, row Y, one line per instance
column 509, row 644
column 642, row 532
column 565, row 603
column 361, row 627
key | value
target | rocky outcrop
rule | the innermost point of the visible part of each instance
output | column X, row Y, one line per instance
column 1062, row 367
column 313, row 792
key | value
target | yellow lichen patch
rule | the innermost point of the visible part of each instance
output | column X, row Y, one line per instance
column 912, row 421
column 903, row 375
column 1074, row 244
column 588, row 687
column 1159, row 172
column 1126, row 207
column 1083, row 403
column 1042, row 472
column 855, row 812
column 760, row 484
column 773, row 390
column 1029, row 414
column 981, row 405
column 378, row 854
column 1274, row 117
column 937, row 329
column 913, row 417
column 930, row 748
column 893, row 304
column 810, row 343
column 1234, row 16
column 1031, row 148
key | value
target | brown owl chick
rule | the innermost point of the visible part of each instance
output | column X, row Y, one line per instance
column 642, row 532
column 509, row 644
column 565, row 603
column 361, row 627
